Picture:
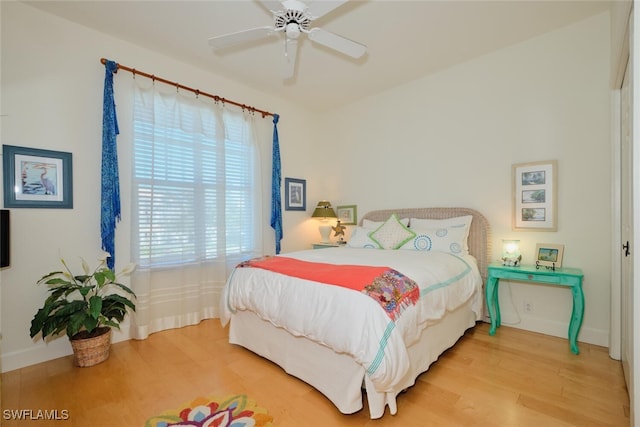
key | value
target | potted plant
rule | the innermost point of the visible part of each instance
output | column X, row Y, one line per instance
column 86, row 307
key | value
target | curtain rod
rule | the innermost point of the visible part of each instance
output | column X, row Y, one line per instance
column 196, row 91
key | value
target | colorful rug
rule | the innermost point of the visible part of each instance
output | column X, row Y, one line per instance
column 228, row 411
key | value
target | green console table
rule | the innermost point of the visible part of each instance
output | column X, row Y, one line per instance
column 564, row 277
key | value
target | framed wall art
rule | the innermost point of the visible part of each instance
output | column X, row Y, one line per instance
column 348, row 214
column 295, row 194
column 549, row 255
column 34, row 178
column 535, row 196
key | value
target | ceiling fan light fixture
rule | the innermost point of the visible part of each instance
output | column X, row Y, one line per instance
column 292, row 30
column 283, row 19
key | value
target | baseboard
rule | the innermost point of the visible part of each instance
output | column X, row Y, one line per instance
column 34, row 355
column 558, row 329
column 43, row 352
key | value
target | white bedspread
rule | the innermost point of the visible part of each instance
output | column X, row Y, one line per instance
column 351, row 322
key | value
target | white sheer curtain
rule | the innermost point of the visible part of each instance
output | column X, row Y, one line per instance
column 197, row 207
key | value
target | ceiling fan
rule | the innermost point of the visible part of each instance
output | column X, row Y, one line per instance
column 292, row 18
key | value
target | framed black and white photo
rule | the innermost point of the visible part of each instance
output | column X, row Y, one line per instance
column 535, row 196
column 348, row 214
column 549, row 255
column 35, row 178
column 295, row 193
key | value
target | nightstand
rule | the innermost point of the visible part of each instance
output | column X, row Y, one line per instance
column 325, row 245
column 564, row 277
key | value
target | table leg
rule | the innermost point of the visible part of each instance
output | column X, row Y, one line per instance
column 491, row 296
column 576, row 317
column 496, row 301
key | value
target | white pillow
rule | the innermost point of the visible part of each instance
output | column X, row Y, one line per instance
column 372, row 225
column 450, row 240
column 392, row 234
column 447, row 225
column 360, row 239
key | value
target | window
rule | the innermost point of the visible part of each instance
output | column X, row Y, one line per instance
column 194, row 181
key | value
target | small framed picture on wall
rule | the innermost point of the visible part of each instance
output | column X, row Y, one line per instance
column 348, row 214
column 295, row 194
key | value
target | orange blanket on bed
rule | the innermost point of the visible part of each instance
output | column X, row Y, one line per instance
column 354, row 277
column 391, row 289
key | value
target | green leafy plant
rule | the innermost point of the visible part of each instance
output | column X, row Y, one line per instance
column 83, row 305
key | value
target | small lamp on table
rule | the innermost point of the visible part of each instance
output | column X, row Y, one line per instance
column 324, row 211
column 511, row 253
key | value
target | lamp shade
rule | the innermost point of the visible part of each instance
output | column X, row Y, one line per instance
column 324, row 210
column 511, row 252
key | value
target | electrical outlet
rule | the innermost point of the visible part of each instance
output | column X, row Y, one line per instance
column 527, row 306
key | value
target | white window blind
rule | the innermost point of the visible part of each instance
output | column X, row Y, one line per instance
column 194, row 181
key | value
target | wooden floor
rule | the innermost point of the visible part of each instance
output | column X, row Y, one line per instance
column 515, row 378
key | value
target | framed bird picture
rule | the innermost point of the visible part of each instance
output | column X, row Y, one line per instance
column 34, row 178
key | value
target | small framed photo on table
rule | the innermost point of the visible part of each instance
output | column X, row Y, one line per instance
column 549, row 255
column 35, row 178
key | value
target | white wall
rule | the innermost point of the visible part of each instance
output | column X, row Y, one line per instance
column 450, row 140
column 543, row 99
column 52, row 84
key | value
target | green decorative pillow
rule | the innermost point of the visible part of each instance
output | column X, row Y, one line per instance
column 391, row 234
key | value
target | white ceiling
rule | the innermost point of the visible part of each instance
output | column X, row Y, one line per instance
column 405, row 39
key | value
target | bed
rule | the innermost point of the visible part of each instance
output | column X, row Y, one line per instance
column 378, row 352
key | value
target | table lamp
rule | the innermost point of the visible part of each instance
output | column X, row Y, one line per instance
column 324, row 211
column 511, row 253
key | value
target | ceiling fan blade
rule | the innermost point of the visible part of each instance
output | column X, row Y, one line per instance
column 232, row 39
column 336, row 42
column 318, row 8
column 290, row 54
column 272, row 5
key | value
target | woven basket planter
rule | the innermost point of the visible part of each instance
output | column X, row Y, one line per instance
column 92, row 350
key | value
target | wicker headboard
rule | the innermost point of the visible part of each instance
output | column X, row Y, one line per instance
column 479, row 233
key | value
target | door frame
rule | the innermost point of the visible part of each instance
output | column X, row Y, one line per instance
column 624, row 45
column 623, row 15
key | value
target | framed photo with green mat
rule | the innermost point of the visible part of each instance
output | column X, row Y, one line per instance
column 347, row 214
